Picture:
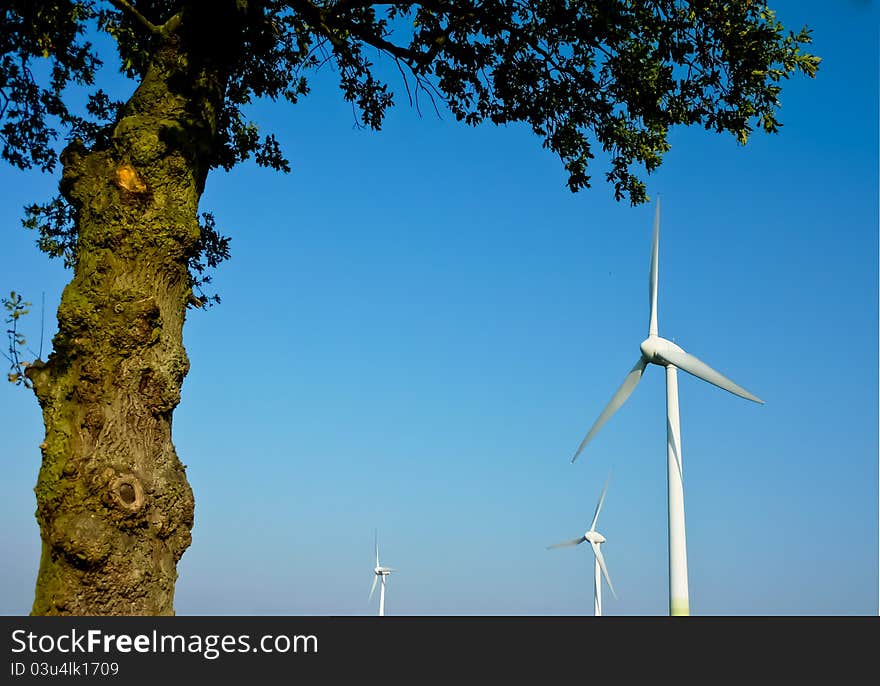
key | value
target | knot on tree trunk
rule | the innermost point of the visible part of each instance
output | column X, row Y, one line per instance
column 128, row 493
column 134, row 324
column 83, row 538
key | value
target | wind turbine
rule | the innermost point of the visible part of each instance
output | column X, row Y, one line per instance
column 595, row 539
column 380, row 572
column 660, row 351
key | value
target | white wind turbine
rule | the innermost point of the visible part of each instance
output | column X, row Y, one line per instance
column 596, row 539
column 380, row 572
column 667, row 354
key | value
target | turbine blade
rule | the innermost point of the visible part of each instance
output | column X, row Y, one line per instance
column 701, row 370
column 373, row 587
column 377, row 546
column 599, row 506
column 601, row 559
column 566, row 544
column 652, row 282
column 626, row 388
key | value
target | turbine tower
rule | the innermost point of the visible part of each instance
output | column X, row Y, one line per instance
column 380, row 572
column 665, row 353
column 596, row 539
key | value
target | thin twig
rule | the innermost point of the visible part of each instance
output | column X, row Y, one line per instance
column 42, row 321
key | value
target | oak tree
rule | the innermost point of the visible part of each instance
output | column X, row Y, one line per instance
column 113, row 503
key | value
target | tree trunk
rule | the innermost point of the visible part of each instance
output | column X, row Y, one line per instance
column 113, row 503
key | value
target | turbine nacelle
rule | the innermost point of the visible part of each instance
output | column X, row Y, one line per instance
column 656, row 350
column 594, row 537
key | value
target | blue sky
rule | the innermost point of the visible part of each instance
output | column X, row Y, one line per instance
column 419, row 325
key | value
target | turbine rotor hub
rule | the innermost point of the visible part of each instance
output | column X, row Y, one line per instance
column 653, row 348
column 594, row 537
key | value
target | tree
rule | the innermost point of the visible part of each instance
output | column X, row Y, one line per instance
column 113, row 503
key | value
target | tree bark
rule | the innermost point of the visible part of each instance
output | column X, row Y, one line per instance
column 113, row 503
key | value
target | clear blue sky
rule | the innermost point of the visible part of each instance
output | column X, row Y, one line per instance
column 419, row 325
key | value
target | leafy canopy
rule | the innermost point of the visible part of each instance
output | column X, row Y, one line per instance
column 583, row 74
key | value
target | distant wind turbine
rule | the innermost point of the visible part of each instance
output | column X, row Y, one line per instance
column 380, row 572
column 667, row 354
column 595, row 539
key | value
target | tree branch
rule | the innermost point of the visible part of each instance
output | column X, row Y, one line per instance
column 377, row 41
column 127, row 8
column 171, row 25
column 320, row 17
column 316, row 16
column 345, row 5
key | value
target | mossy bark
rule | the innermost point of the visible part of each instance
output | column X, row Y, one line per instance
column 113, row 503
